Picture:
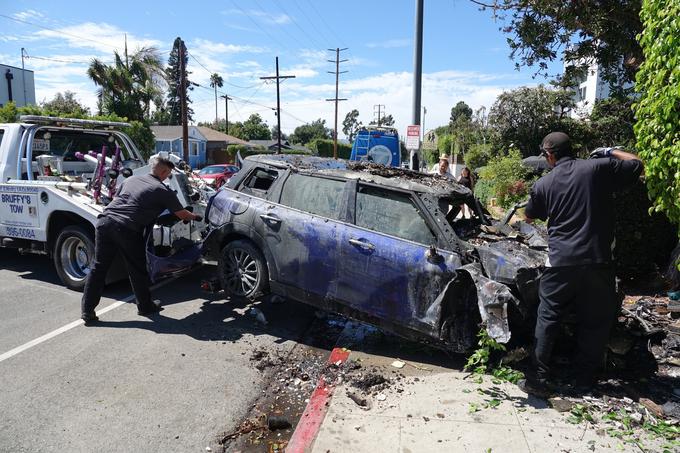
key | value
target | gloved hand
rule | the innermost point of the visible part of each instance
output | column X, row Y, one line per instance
column 602, row 152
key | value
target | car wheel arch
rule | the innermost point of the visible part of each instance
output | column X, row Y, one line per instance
column 256, row 241
column 459, row 319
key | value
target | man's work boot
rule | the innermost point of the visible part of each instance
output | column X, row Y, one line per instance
column 154, row 308
column 89, row 318
column 534, row 387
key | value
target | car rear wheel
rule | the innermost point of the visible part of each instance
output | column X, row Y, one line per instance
column 243, row 270
column 73, row 256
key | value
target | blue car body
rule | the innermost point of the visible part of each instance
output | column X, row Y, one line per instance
column 345, row 237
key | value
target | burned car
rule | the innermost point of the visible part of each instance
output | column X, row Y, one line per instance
column 383, row 245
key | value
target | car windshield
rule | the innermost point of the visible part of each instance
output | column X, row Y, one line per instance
column 232, row 168
column 212, row 170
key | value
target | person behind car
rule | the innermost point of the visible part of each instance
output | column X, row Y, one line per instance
column 442, row 167
column 120, row 228
column 467, row 180
column 576, row 199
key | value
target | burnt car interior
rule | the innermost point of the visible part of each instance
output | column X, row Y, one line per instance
column 259, row 182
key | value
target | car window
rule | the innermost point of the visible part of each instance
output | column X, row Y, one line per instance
column 391, row 213
column 66, row 143
column 212, row 171
column 2, row 132
column 259, row 181
column 318, row 196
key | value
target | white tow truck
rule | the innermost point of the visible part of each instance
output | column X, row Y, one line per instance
column 58, row 174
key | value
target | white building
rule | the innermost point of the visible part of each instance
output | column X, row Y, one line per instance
column 16, row 85
column 590, row 88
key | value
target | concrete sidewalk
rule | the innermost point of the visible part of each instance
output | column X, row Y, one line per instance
column 446, row 412
column 429, row 408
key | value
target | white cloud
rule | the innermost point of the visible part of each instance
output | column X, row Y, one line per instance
column 268, row 18
column 205, row 46
column 29, row 14
column 390, row 44
column 102, row 37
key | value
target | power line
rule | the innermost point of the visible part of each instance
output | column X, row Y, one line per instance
column 312, row 23
column 292, row 18
column 336, row 99
column 215, row 72
column 278, row 78
column 256, row 24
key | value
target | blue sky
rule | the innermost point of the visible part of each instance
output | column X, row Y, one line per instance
column 465, row 56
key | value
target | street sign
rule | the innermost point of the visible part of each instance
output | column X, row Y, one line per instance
column 413, row 137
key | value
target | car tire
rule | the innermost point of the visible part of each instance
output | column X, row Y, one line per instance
column 243, row 270
column 73, row 255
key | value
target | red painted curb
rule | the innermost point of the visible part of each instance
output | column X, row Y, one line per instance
column 311, row 419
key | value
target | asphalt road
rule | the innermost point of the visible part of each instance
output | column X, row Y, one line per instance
column 173, row 383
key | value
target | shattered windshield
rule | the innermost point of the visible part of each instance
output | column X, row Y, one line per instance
column 461, row 214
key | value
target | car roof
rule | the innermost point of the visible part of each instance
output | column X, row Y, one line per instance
column 400, row 178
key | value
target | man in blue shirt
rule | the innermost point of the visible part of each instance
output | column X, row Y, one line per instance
column 575, row 197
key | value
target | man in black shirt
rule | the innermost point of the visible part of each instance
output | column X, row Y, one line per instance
column 120, row 228
column 576, row 199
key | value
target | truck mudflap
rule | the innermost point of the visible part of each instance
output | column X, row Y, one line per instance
column 492, row 299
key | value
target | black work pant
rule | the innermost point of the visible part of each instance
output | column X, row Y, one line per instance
column 111, row 238
column 590, row 290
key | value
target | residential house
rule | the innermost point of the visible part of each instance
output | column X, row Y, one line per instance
column 169, row 138
column 216, row 146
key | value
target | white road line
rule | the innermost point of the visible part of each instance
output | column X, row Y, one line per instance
column 69, row 326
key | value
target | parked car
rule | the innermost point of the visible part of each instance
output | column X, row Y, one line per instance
column 380, row 244
column 218, row 172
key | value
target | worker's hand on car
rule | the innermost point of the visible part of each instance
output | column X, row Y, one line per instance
column 601, row 152
column 198, row 218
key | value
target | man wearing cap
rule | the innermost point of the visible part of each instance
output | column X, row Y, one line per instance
column 576, row 199
column 442, row 167
column 120, row 228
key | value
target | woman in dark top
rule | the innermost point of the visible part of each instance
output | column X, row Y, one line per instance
column 466, row 179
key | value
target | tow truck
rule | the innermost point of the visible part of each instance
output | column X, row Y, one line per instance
column 58, row 174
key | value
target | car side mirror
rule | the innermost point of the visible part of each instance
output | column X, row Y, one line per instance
column 433, row 256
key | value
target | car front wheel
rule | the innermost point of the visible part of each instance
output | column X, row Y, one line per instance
column 243, row 270
column 73, row 256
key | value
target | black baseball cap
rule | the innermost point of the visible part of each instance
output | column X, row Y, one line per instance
column 557, row 142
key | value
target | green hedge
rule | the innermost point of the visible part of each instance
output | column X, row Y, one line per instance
column 324, row 148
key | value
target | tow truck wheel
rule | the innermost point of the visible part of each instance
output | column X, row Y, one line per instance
column 73, row 255
column 243, row 270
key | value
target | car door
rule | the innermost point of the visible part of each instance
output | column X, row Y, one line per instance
column 301, row 233
column 384, row 266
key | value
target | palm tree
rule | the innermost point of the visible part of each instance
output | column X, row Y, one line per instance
column 215, row 82
column 130, row 84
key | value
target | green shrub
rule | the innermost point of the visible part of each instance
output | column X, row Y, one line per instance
column 508, row 178
column 477, row 156
column 657, row 129
column 324, row 148
column 484, row 191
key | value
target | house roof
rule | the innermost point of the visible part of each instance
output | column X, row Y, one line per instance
column 211, row 135
column 216, row 136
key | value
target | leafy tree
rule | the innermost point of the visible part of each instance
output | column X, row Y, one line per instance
column 216, row 81
column 611, row 123
column 172, row 74
column 461, row 111
column 275, row 133
column 507, row 178
column 478, row 155
column 65, row 104
column 308, row 132
column 522, row 117
column 351, row 125
column 588, row 31
column 658, row 111
column 254, row 128
column 128, row 86
column 387, row 121
column 9, row 113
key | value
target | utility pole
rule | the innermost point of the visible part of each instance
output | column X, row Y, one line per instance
column 337, row 73
column 278, row 102
column 417, row 76
column 23, row 74
column 226, row 112
column 183, row 101
column 383, row 109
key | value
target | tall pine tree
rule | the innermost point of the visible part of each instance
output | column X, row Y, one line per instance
column 174, row 105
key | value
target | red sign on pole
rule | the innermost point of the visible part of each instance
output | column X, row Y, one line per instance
column 413, row 137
